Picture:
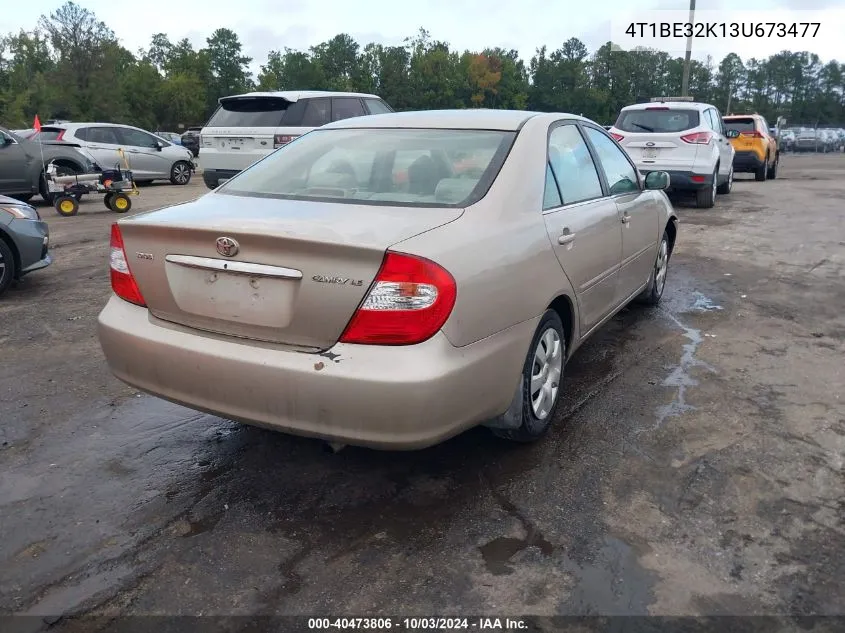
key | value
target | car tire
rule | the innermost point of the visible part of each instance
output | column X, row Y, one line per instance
column 725, row 188
column 762, row 171
column 537, row 416
column 772, row 172
column 706, row 198
column 180, row 173
column 653, row 292
column 7, row 266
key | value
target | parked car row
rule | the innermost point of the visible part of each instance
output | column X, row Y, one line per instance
column 699, row 148
column 808, row 139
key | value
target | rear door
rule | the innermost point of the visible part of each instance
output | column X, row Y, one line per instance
column 145, row 156
column 103, row 143
column 639, row 213
column 243, row 130
column 583, row 224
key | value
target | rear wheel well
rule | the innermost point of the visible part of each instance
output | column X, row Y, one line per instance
column 672, row 231
column 8, row 241
column 565, row 310
column 66, row 162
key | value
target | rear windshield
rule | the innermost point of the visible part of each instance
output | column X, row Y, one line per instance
column 656, row 120
column 250, row 112
column 740, row 125
column 398, row 167
column 47, row 134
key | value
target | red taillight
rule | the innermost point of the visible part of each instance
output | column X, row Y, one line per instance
column 283, row 139
column 697, row 138
column 61, row 135
column 754, row 134
column 617, row 137
column 122, row 281
column 408, row 303
column 697, row 178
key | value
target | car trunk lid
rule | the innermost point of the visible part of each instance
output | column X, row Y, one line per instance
column 279, row 271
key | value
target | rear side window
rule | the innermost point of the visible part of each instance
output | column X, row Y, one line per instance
column 250, row 112
column 377, row 106
column 47, row 134
column 659, row 120
column 346, row 108
column 741, row 125
column 317, row 113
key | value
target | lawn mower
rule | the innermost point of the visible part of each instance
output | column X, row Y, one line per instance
column 117, row 185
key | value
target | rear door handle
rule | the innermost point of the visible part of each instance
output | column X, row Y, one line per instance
column 566, row 237
column 626, row 219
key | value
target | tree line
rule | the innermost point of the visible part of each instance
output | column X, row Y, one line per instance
column 72, row 66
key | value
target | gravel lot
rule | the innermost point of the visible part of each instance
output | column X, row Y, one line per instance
column 696, row 466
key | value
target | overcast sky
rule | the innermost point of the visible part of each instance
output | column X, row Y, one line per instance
column 263, row 25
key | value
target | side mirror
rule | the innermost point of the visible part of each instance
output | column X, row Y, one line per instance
column 159, row 146
column 732, row 134
column 657, row 180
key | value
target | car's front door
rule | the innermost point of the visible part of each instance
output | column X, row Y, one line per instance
column 14, row 166
column 145, row 156
column 639, row 213
column 103, row 144
column 583, row 224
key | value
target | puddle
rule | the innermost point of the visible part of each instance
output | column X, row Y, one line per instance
column 703, row 303
column 498, row 553
column 613, row 584
column 680, row 377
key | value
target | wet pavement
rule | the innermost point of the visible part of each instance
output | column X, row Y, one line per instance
column 695, row 466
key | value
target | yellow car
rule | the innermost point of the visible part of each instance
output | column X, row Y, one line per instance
column 756, row 150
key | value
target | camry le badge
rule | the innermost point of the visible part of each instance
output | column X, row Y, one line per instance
column 227, row 246
column 342, row 281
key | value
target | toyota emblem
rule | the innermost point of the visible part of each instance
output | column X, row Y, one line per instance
column 649, row 144
column 227, row 246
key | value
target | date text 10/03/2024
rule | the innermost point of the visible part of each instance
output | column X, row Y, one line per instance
column 418, row 624
column 722, row 29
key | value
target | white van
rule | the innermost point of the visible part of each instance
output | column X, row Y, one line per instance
column 247, row 127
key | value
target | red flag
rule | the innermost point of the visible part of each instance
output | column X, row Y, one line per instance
column 36, row 124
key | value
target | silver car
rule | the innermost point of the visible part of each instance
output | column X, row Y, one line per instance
column 150, row 157
column 391, row 280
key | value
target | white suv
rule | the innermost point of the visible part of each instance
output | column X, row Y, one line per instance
column 247, row 127
column 684, row 138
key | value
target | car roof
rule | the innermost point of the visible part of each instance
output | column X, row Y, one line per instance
column 296, row 95
column 743, row 116
column 75, row 125
column 472, row 119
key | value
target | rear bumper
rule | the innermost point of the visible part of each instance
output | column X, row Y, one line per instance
column 212, row 177
column 684, row 180
column 383, row 397
column 747, row 161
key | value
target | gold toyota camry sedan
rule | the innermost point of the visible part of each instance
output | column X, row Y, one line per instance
column 391, row 280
